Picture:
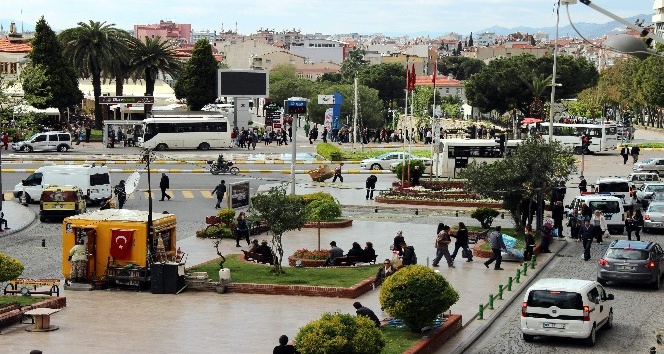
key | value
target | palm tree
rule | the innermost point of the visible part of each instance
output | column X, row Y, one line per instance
column 92, row 48
column 537, row 85
column 149, row 58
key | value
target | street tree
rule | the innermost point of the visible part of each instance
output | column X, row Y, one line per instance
column 198, row 81
column 461, row 68
column 537, row 85
column 389, row 79
column 352, row 65
column 370, row 106
column 284, row 83
column 49, row 80
column 334, row 78
column 92, row 48
column 650, row 81
column 536, row 166
column 284, row 213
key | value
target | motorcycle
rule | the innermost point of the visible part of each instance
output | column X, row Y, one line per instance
column 226, row 167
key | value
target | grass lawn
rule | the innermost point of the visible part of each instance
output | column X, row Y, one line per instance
column 244, row 272
column 370, row 153
column 647, row 145
column 23, row 300
column 397, row 340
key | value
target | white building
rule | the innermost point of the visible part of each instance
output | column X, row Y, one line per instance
column 658, row 17
column 485, row 39
column 320, row 50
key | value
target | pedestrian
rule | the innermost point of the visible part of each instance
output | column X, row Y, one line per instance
column 121, row 193
column 409, row 257
column 529, row 251
column 325, row 132
column 88, row 132
column 557, row 214
column 78, row 256
column 371, row 186
column 497, row 245
column 586, row 212
column 241, row 230
column 599, row 223
column 624, row 152
column 574, row 221
column 5, row 140
column 366, row 312
column 629, row 221
column 284, row 347
column 415, row 175
column 3, row 221
column 164, row 184
column 337, row 173
column 442, row 243
column 546, row 233
column 583, row 185
column 462, row 243
column 587, row 233
column 635, row 153
column 396, row 246
column 637, row 224
column 219, row 190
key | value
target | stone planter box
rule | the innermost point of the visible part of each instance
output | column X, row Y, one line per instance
column 437, row 203
column 329, row 224
column 437, row 337
column 306, row 263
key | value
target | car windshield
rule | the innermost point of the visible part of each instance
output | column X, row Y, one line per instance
column 649, row 160
column 655, row 188
column 560, row 299
column 610, row 207
column 630, row 254
column 656, row 208
column 611, row 187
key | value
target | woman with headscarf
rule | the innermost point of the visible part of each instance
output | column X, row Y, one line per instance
column 599, row 222
column 398, row 240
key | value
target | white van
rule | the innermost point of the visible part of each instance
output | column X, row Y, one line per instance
column 49, row 141
column 94, row 181
column 617, row 187
column 612, row 208
column 571, row 308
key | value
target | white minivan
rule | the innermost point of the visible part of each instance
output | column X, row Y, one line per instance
column 617, row 187
column 612, row 208
column 48, row 141
column 94, row 181
column 572, row 308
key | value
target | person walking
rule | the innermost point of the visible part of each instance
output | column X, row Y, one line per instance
column 366, row 312
column 337, row 173
column 121, row 193
column 599, row 222
column 462, row 242
column 557, row 214
column 371, row 186
column 529, row 251
column 164, row 184
column 624, row 152
column 78, row 256
column 443, row 241
column 637, row 224
column 583, row 185
column 325, row 132
column 415, row 175
column 635, row 153
column 587, row 233
column 5, row 140
column 574, row 221
column 242, row 230
column 219, row 190
column 497, row 244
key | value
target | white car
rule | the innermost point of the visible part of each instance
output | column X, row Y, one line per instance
column 387, row 159
column 571, row 308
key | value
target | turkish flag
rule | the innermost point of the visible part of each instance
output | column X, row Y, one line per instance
column 435, row 66
column 121, row 241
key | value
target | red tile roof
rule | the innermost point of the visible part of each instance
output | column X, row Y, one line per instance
column 14, row 47
column 440, row 81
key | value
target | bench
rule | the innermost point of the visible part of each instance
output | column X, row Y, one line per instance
column 256, row 257
column 351, row 260
column 22, row 286
column 8, row 314
column 474, row 236
column 212, row 221
column 255, row 228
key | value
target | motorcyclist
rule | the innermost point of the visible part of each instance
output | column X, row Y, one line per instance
column 220, row 161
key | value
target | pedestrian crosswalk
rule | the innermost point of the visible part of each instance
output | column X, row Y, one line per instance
column 156, row 194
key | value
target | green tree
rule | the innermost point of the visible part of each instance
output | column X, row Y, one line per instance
column 535, row 166
column 10, row 268
column 334, row 78
column 92, row 48
column 416, row 295
column 352, row 65
column 198, row 81
column 461, row 68
column 284, row 83
column 49, row 80
column 389, row 80
column 283, row 212
column 369, row 104
column 537, row 85
column 340, row 334
column 323, row 210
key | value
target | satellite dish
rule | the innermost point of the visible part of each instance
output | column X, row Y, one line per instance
column 132, row 183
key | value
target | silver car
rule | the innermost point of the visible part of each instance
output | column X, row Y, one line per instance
column 653, row 218
column 654, row 164
column 645, row 193
column 385, row 160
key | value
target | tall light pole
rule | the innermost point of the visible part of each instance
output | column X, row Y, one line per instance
column 553, row 75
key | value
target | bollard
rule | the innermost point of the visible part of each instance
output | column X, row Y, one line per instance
column 500, row 292
column 480, row 313
column 376, row 210
column 490, row 301
column 457, row 214
column 417, row 212
column 509, row 284
column 525, row 269
column 518, row 276
column 532, row 262
column 653, row 350
column 43, row 242
column 502, row 215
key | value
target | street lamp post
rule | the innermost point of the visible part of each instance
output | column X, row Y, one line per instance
column 553, row 75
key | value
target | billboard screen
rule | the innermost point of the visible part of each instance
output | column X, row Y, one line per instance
column 243, row 83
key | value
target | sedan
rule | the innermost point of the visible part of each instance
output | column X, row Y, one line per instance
column 645, row 193
column 385, row 160
column 632, row 262
column 653, row 164
column 653, row 218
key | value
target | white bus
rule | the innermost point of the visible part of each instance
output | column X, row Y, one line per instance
column 455, row 154
column 603, row 137
column 184, row 130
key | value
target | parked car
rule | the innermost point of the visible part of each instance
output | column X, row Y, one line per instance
column 653, row 218
column 385, row 160
column 645, row 193
column 612, row 208
column 617, row 187
column 632, row 262
column 653, row 164
column 639, row 178
column 49, row 141
column 572, row 308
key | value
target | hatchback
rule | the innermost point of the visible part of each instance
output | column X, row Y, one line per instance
column 653, row 218
column 632, row 262
column 653, row 164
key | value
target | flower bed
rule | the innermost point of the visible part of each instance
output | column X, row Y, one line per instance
column 452, row 202
column 308, row 259
column 329, row 224
column 306, row 263
column 442, row 196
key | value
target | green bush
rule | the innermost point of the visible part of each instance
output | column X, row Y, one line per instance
column 416, row 295
column 10, row 268
column 485, row 216
column 412, row 163
column 227, row 215
column 340, row 334
column 323, row 210
column 329, row 151
column 308, row 198
column 215, row 232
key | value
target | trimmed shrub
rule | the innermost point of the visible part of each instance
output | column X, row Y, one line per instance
column 227, row 215
column 340, row 334
column 215, row 232
column 10, row 268
column 416, row 295
column 485, row 216
column 412, row 163
column 329, row 151
column 308, row 198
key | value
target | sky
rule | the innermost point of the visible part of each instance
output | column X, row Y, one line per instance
column 316, row 16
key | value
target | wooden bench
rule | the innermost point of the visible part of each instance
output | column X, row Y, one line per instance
column 351, row 260
column 256, row 257
column 212, row 221
column 474, row 237
column 22, row 286
column 8, row 314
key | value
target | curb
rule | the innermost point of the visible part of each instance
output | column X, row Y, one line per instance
column 201, row 170
column 18, row 214
column 497, row 313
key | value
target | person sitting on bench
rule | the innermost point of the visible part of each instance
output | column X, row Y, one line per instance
column 3, row 221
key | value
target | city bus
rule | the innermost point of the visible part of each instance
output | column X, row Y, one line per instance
column 455, row 154
column 603, row 137
column 186, row 130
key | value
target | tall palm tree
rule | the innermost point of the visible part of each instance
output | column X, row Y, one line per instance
column 92, row 48
column 149, row 58
column 537, row 85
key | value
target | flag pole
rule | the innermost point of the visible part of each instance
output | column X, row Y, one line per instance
column 405, row 113
column 433, row 118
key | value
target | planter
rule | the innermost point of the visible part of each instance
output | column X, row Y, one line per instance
column 306, row 263
column 436, row 338
column 329, row 224
column 437, row 203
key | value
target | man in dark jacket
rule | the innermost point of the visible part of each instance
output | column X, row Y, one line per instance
column 371, row 186
column 265, row 251
column 219, row 190
column 335, row 252
column 121, row 193
column 366, row 312
column 497, row 244
column 409, row 256
column 164, row 184
column 624, row 152
column 587, row 233
column 558, row 213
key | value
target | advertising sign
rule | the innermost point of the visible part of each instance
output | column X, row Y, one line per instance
column 239, row 194
column 126, row 99
column 272, row 114
column 328, row 119
column 326, row 99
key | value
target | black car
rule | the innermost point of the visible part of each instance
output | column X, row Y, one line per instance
column 632, row 262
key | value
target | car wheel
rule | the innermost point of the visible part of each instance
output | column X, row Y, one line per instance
column 28, row 148
column 376, row 167
column 42, row 218
column 657, row 284
column 161, row 147
column 592, row 338
column 609, row 321
column 528, row 337
column 204, row 146
column 601, row 281
column 235, row 170
column 63, row 148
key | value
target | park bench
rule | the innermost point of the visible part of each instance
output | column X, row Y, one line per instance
column 474, row 236
column 256, row 257
column 8, row 314
column 29, row 287
column 351, row 260
column 255, row 228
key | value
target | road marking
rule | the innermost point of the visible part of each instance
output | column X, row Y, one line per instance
column 187, row 194
column 196, row 171
column 207, row 195
column 8, row 195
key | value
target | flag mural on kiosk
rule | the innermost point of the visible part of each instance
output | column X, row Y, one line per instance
column 121, row 241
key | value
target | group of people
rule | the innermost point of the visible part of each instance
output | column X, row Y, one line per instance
column 625, row 152
column 368, row 252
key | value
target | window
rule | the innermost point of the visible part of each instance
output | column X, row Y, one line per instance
column 612, row 187
column 64, row 137
column 593, row 294
column 39, row 138
column 99, row 179
column 561, row 299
